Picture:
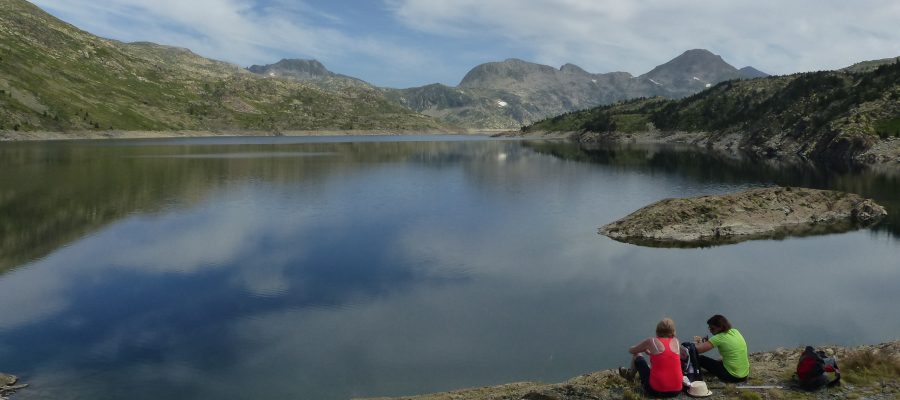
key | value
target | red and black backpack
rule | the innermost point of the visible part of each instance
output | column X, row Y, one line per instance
column 812, row 369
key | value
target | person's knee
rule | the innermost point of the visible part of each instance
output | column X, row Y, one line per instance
column 640, row 360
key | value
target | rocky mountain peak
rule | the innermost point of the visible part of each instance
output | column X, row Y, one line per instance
column 690, row 72
column 294, row 68
column 572, row 69
column 697, row 61
column 502, row 74
column 749, row 72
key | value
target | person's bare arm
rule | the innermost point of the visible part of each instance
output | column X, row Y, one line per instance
column 703, row 346
column 643, row 346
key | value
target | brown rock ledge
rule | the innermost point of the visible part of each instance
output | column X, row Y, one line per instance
column 773, row 212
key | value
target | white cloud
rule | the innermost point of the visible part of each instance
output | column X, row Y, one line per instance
column 29, row 296
column 239, row 31
column 439, row 40
column 205, row 237
column 776, row 36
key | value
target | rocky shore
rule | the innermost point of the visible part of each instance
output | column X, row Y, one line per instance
column 9, row 385
column 15, row 136
column 883, row 152
column 867, row 372
column 758, row 213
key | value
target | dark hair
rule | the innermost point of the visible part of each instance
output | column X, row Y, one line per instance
column 719, row 322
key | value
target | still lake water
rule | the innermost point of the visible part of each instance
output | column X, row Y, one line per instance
column 330, row 268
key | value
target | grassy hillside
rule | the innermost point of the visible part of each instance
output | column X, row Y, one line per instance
column 829, row 113
column 56, row 77
column 866, row 66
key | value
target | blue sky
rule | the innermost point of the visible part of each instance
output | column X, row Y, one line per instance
column 405, row 43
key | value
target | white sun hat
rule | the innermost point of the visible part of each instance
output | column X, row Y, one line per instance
column 699, row 389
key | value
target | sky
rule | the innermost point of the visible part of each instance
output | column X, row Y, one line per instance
column 406, row 43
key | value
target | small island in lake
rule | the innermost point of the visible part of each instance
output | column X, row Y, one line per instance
column 9, row 385
column 774, row 212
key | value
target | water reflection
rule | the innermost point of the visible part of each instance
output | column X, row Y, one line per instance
column 54, row 193
column 381, row 269
column 782, row 233
column 693, row 163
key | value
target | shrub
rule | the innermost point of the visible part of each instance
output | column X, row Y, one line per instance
column 867, row 366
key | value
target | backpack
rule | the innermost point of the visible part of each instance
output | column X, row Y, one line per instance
column 691, row 366
column 812, row 367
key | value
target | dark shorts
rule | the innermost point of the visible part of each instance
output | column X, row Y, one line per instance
column 717, row 368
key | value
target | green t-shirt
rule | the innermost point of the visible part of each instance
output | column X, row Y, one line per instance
column 733, row 349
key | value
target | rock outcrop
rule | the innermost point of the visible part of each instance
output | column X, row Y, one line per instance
column 758, row 213
column 8, row 385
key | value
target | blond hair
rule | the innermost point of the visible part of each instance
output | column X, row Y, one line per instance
column 665, row 328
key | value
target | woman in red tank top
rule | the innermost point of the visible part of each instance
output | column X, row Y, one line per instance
column 664, row 379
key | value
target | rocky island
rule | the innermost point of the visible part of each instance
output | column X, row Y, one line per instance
column 9, row 385
column 774, row 212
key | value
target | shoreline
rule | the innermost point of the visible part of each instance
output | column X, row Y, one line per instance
column 34, row 136
column 884, row 154
column 770, row 369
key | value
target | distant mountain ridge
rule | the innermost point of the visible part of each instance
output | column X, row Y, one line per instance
column 312, row 72
column 871, row 65
column 514, row 92
column 298, row 69
column 511, row 93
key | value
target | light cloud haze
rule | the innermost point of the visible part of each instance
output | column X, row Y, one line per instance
column 403, row 43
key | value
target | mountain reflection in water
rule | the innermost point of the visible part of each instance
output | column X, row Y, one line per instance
column 691, row 162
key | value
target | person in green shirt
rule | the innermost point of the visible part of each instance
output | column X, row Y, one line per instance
column 735, row 363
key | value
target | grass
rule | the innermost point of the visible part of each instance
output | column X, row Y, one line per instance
column 867, row 367
column 888, row 128
column 747, row 395
column 631, row 395
column 631, row 123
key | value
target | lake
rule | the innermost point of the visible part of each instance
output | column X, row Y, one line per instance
column 339, row 267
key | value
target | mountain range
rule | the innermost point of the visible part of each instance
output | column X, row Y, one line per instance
column 56, row 77
column 512, row 93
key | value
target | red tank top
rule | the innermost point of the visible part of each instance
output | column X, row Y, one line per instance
column 665, row 369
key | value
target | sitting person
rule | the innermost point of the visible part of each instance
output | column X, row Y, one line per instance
column 735, row 364
column 665, row 351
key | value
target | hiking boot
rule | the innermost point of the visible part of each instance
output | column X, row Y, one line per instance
column 627, row 374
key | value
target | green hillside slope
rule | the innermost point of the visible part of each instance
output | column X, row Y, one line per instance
column 829, row 114
column 55, row 77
